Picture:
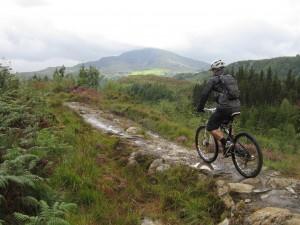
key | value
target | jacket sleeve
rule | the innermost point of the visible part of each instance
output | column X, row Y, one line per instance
column 205, row 94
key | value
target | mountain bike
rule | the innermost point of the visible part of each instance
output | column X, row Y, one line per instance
column 245, row 151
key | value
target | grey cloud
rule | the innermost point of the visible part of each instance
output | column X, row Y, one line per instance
column 37, row 46
column 30, row 3
column 248, row 42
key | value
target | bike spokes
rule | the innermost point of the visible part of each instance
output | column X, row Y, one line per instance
column 247, row 156
column 206, row 145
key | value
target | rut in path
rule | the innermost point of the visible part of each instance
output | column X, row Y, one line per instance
column 268, row 189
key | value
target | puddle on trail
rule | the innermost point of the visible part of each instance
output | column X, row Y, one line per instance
column 102, row 125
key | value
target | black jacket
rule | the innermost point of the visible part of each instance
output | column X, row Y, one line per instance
column 214, row 84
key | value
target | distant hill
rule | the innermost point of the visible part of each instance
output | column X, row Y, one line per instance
column 279, row 65
column 194, row 77
column 138, row 60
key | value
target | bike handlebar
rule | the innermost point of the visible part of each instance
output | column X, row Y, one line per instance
column 211, row 110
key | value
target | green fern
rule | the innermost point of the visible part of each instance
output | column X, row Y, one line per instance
column 18, row 171
column 48, row 215
column 30, row 201
column 3, row 181
column 2, row 199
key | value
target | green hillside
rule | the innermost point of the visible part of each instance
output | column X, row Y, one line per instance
column 194, row 77
column 280, row 66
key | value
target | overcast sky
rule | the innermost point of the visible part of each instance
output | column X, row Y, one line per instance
column 35, row 34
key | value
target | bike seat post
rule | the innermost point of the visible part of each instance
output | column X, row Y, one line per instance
column 233, row 115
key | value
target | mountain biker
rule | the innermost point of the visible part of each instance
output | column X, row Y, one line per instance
column 227, row 98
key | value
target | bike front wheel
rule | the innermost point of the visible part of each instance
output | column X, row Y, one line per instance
column 246, row 155
column 206, row 145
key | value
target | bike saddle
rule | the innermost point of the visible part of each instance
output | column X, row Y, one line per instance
column 232, row 116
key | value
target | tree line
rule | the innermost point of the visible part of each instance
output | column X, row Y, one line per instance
column 87, row 76
column 260, row 88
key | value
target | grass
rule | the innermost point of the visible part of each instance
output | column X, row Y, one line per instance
column 93, row 173
column 174, row 118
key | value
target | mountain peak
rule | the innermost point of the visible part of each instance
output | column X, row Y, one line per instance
column 140, row 60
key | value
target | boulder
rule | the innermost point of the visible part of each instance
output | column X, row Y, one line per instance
column 228, row 201
column 222, row 187
column 158, row 165
column 224, row 222
column 163, row 167
column 205, row 169
column 248, row 200
column 293, row 221
column 181, row 139
column 223, row 192
column 252, row 181
column 269, row 216
column 282, row 183
column 131, row 159
column 240, row 187
column 133, row 130
column 148, row 221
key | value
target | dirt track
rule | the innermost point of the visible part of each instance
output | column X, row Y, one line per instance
column 269, row 188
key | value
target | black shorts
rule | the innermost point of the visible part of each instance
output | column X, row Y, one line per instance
column 217, row 118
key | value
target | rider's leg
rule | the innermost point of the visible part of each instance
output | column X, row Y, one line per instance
column 213, row 125
column 218, row 134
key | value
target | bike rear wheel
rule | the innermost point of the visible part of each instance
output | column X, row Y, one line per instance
column 206, row 145
column 246, row 155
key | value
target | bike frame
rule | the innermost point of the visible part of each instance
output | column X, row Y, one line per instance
column 226, row 128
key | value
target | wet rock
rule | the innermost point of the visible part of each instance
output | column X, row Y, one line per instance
column 181, row 139
column 228, row 201
column 275, row 174
column 222, row 187
column 248, row 200
column 295, row 220
column 224, row 222
column 223, row 192
column 264, row 196
column 280, row 199
column 82, row 112
column 205, row 169
column 261, row 190
column 238, row 213
column 269, row 216
column 133, row 130
column 291, row 190
column 148, row 221
column 158, row 165
column 131, row 160
column 163, row 167
column 196, row 165
column 240, row 188
column 252, row 181
column 276, row 182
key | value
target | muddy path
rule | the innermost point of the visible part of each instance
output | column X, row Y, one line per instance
column 269, row 189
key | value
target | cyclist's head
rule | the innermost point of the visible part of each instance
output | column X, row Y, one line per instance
column 217, row 67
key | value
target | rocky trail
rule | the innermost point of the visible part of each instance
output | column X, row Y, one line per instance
column 267, row 199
